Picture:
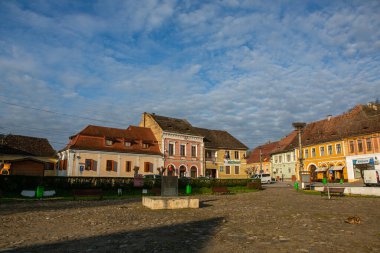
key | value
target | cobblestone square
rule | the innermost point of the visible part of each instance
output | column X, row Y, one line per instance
column 272, row 220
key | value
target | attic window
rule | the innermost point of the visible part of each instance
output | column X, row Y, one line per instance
column 127, row 143
column 145, row 145
column 109, row 142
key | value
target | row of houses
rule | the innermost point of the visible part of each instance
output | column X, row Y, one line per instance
column 158, row 145
column 335, row 148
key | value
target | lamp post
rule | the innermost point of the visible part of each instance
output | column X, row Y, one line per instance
column 299, row 126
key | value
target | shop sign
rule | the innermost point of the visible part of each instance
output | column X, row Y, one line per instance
column 227, row 162
column 364, row 161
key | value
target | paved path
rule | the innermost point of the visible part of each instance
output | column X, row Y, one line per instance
column 273, row 220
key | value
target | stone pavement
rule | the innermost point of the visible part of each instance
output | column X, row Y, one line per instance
column 272, row 220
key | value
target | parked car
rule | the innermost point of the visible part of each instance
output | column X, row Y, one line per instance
column 265, row 178
column 371, row 177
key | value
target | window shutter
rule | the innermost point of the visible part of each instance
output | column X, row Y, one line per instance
column 151, row 167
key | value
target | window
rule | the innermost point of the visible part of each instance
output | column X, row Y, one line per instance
column 236, row 154
column 369, row 144
column 227, row 155
column 329, row 149
column 360, row 145
column 322, row 151
column 237, row 168
column 352, row 147
column 221, row 168
column 171, row 149
column 49, row 166
column 128, row 166
column 193, row 151
column 306, row 153
column 63, row 164
column 182, row 149
column 208, row 154
column 228, row 170
column 292, row 156
column 338, row 149
column 89, row 164
column 288, row 157
column 111, row 165
column 145, row 145
column 148, row 167
column 280, row 159
column 313, row 152
column 108, row 142
column 275, row 159
column 127, row 143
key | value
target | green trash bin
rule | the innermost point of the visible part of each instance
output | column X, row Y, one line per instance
column 188, row 189
column 39, row 192
column 296, row 186
column 324, row 180
column 341, row 181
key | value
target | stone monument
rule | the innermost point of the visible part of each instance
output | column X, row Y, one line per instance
column 169, row 198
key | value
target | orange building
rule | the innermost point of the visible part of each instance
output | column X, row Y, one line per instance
column 259, row 160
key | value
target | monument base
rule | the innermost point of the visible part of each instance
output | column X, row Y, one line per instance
column 159, row 202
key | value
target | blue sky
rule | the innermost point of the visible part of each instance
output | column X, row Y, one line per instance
column 248, row 67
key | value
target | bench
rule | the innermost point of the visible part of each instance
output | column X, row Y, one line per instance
column 337, row 191
column 220, row 189
column 88, row 193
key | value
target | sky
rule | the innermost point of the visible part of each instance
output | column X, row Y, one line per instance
column 248, row 67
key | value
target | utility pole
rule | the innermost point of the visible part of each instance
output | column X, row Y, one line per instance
column 261, row 163
column 299, row 126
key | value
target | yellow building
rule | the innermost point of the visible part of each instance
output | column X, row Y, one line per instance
column 326, row 160
column 332, row 146
column 224, row 155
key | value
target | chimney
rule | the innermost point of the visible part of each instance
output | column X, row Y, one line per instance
column 329, row 117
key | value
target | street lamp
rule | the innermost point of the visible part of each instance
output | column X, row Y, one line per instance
column 299, row 126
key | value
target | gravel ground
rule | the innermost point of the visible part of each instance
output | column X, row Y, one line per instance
column 273, row 220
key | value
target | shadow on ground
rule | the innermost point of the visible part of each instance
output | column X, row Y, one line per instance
column 53, row 205
column 160, row 239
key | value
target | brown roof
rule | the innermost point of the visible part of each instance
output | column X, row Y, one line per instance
column 219, row 139
column 266, row 151
column 25, row 145
column 362, row 119
column 174, row 125
column 287, row 143
column 94, row 137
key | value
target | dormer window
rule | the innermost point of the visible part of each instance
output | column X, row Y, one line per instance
column 127, row 144
column 145, row 145
column 109, row 142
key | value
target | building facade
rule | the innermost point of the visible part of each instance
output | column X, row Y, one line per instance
column 181, row 145
column 98, row 151
column 363, row 153
column 259, row 160
column 225, row 156
column 283, row 158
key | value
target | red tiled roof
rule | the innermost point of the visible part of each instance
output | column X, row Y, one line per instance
column 94, row 137
column 362, row 119
column 266, row 151
column 25, row 145
column 220, row 139
column 287, row 143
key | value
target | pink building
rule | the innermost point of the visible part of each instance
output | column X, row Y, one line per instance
column 182, row 146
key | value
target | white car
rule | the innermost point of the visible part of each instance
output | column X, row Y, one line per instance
column 371, row 177
column 265, row 178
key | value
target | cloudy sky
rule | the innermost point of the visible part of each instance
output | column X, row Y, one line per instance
column 248, row 67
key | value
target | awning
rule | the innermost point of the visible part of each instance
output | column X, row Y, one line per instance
column 337, row 168
column 321, row 169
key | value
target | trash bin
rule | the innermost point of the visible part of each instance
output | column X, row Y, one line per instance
column 296, row 186
column 324, row 180
column 39, row 192
column 188, row 189
column 341, row 181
